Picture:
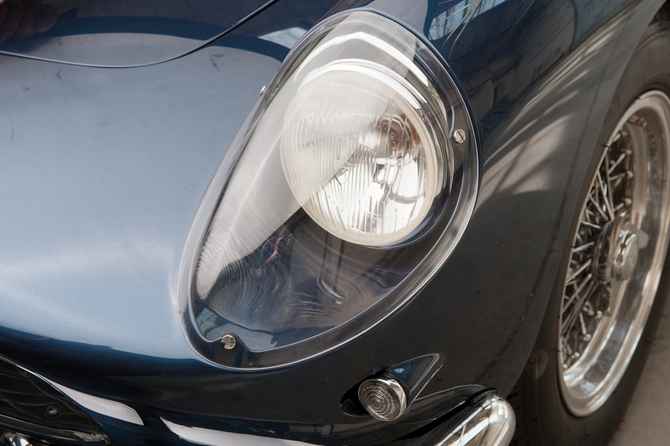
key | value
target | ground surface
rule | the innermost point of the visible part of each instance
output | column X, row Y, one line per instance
column 647, row 421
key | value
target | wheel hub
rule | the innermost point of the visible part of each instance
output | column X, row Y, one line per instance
column 626, row 253
column 617, row 250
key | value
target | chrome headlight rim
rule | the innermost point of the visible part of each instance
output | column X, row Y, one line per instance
column 452, row 219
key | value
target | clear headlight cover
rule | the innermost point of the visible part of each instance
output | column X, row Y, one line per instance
column 353, row 181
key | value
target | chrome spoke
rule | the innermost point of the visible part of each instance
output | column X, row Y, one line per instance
column 583, row 247
column 606, row 196
column 598, row 208
column 580, row 270
column 617, row 162
column 594, row 226
column 570, row 320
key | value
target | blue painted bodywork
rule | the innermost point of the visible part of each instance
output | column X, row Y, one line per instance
column 102, row 172
column 127, row 33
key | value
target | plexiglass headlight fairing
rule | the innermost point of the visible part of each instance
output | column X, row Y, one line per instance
column 353, row 181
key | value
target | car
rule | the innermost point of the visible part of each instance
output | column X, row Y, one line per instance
column 354, row 222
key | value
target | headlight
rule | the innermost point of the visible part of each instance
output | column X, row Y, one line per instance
column 356, row 177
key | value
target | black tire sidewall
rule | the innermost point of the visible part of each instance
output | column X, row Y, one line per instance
column 548, row 420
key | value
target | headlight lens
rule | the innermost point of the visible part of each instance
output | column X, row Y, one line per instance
column 347, row 196
column 358, row 155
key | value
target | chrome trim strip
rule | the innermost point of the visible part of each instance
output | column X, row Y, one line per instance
column 212, row 437
column 109, row 408
column 490, row 421
column 99, row 405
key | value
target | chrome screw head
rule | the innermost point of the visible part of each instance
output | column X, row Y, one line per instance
column 229, row 341
column 458, row 136
column 262, row 90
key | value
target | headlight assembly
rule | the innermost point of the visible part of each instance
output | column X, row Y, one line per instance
column 356, row 176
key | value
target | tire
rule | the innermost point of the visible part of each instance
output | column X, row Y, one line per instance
column 570, row 393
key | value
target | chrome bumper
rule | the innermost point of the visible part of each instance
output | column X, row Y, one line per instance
column 488, row 421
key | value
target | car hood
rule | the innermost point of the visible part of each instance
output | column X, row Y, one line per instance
column 128, row 32
column 103, row 171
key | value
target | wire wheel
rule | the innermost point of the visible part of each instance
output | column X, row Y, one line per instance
column 617, row 256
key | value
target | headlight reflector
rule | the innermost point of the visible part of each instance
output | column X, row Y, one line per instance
column 358, row 155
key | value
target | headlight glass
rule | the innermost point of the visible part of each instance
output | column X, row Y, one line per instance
column 348, row 194
column 358, row 155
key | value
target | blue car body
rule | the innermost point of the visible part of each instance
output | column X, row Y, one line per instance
column 111, row 139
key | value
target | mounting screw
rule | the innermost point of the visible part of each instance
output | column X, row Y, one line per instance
column 262, row 90
column 229, row 341
column 458, row 136
column 52, row 410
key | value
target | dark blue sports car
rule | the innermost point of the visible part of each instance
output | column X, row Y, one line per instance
column 354, row 222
